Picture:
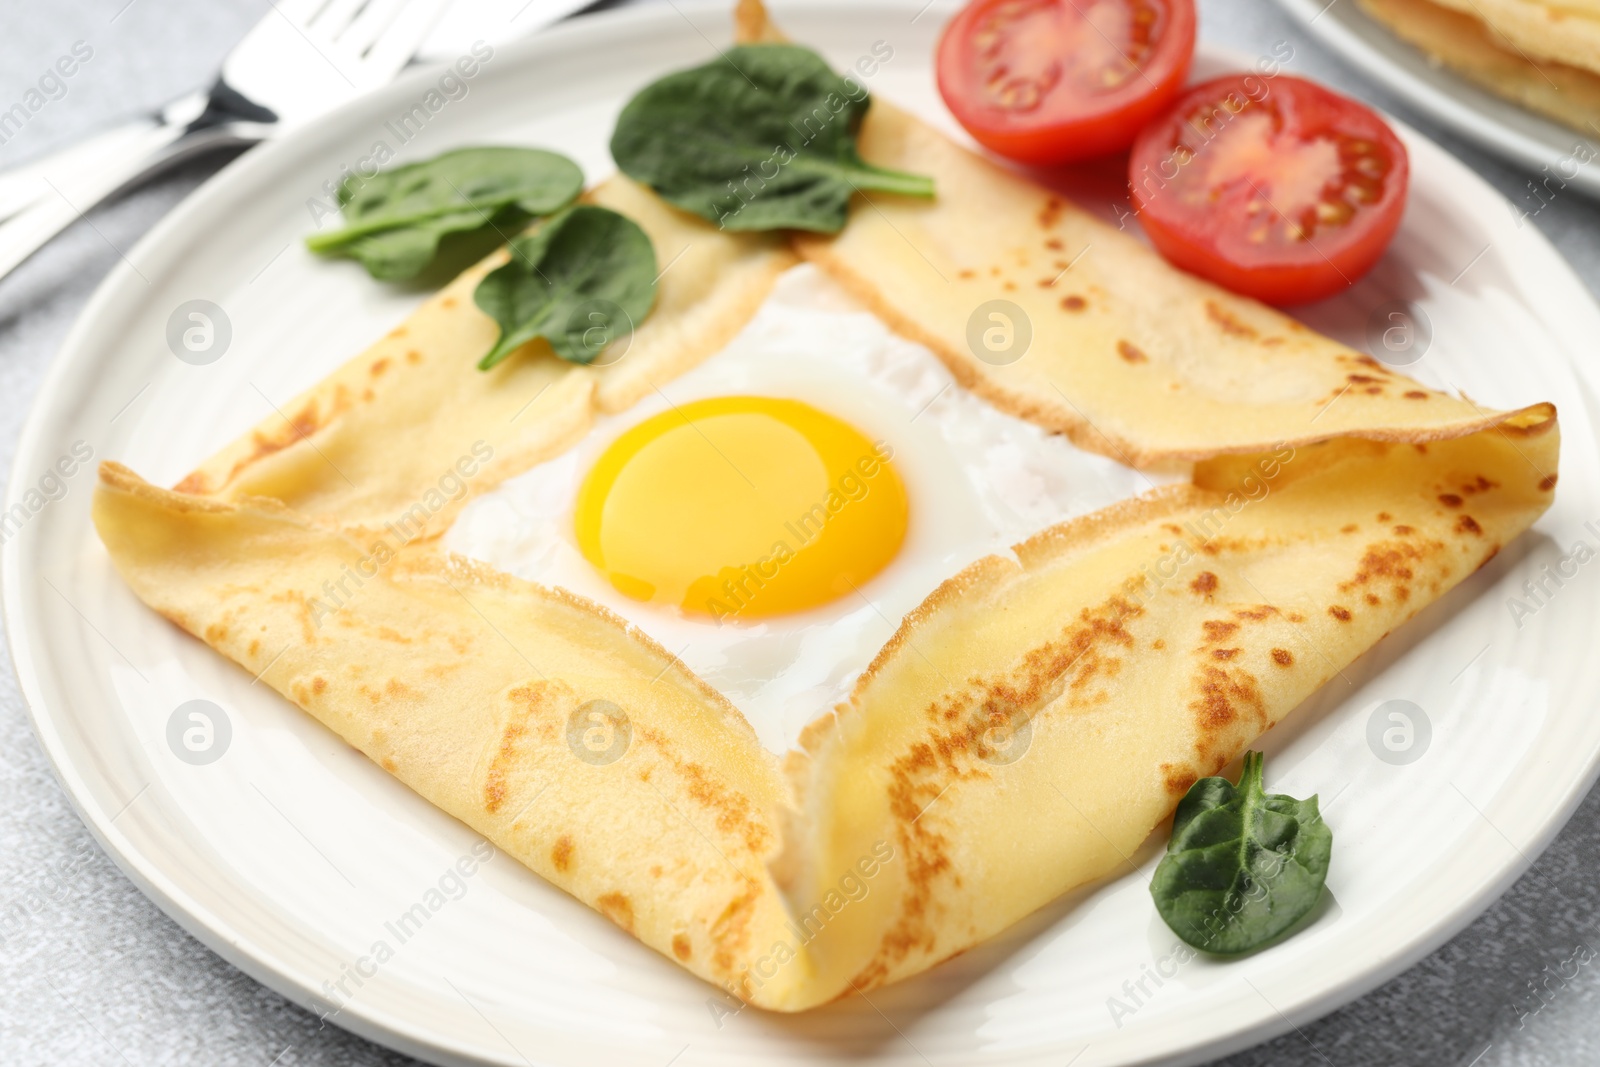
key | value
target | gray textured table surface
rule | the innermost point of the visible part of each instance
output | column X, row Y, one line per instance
column 92, row 973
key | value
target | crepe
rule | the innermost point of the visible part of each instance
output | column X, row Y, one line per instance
column 1464, row 44
column 1123, row 683
column 463, row 682
column 457, row 432
column 893, row 840
column 1566, row 32
column 1074, row 688
column 1128, row 357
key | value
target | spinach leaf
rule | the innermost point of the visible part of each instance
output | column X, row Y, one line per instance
column 406, row 251
column 763, row 138
column 1243, row 865
column 581, row 281
column 396, row 219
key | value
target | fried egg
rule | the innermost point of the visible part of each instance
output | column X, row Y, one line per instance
column 770, row 516
column 677, row 507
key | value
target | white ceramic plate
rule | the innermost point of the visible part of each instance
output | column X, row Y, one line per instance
column 291, row 853
column 1494, row 124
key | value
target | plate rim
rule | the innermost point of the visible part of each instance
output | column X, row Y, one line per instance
column 267, row 966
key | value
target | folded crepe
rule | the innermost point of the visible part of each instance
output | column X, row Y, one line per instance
column 1565, row 32
column 1139, row 648
column 369, row 444
column 1128, row 356
column 1462, row 42
column 1077, row 686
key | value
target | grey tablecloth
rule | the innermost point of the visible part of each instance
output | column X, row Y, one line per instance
column 92, row 973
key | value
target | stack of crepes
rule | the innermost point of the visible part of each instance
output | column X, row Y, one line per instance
column 1140, row 647
column 1543, row 55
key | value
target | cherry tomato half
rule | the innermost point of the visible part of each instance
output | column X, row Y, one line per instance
column 1054, row 81
column 1272, row 187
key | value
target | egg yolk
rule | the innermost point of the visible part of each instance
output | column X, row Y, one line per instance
column 741, row 507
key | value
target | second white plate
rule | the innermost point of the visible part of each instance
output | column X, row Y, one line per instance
column 1494, row 124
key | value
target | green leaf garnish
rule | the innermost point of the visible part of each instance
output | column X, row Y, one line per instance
column 1243, row 865
column 581, row 281
column 763, row 138
column 396, row 219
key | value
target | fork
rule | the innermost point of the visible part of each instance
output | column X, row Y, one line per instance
column 304, row 58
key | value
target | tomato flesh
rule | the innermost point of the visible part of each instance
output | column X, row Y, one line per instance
column 1273, row 187
column 1054, row 81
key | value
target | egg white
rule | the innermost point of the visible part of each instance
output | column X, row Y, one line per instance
column 978, row 481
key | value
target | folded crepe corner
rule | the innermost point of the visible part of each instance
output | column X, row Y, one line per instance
column 467, row 685
column 1129, row 652
column 418, row 384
